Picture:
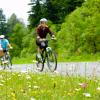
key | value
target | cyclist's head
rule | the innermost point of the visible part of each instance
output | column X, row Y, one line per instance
column 2, row 36
column 43, row 20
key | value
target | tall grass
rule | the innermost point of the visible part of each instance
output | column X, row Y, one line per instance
column 42, row 86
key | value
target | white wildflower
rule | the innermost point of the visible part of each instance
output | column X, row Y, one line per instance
column 28, row 77
column 19, row 75
column 98, row 88
column 29, row 86
column 2, row 81
column 1, row 84
column 36, row 87
column 87, row 94
column 56, row 72
column 33, row 98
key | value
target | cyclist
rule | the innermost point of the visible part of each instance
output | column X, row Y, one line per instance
column 42, row 31
column 4, row 44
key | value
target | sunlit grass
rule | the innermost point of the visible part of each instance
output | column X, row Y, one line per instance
column 78, row 58
column 29, row 86
column 60, row 58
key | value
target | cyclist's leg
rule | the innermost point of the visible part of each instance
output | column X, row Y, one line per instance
column 38, row 49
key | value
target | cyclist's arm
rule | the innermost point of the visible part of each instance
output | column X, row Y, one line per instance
column 8, row 44
column 51, row 33
column 0, row 44
column 37, row 33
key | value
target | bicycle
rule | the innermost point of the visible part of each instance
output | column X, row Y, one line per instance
column 48, row 55
column 6, row 61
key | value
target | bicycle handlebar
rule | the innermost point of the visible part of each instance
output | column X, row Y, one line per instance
column 45, row 39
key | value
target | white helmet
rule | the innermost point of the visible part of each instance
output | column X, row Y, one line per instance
column 2, row 36
column 43, row 20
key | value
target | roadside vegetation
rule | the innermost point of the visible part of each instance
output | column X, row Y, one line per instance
column 29, row 86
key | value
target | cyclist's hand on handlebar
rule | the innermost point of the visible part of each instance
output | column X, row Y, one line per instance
column 42, row 39
column 53, row 37
column 11, row 47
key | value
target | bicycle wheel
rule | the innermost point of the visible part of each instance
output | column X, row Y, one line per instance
column 51, row 61
column 9, row 62
column 39, row 63
column 3, row 63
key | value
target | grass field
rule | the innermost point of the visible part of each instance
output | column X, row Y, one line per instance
column 60, row 58
column 29, row 86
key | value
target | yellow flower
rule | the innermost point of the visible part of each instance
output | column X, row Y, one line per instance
column 70, row 94
column 13, row 94
column 77, row 89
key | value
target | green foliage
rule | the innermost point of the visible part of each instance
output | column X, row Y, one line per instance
column 3, row 25
column 12, row 21
column 36, row 13
column 80, row 31
column 52, row 10
column 16, row 39
column 29, row 46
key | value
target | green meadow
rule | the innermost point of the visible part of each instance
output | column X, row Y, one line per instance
column 51, row 86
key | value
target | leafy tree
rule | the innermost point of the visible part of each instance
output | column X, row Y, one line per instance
column 80, row 33
column 11, row 22
column 16, row 39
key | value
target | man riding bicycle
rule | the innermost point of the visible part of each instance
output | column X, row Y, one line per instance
column 4, row 45
column 42, row 31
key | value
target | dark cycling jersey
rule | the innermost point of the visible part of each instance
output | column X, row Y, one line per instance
column 43, row 30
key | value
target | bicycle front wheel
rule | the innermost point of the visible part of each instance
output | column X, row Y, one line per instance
column 9, row 64
column 52, row 61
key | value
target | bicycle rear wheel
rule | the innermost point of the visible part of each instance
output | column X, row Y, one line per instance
column 40, row 63
column 51, row 61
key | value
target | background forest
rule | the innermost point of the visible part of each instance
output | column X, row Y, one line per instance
column 76, row 24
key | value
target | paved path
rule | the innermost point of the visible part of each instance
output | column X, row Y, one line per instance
column 72, row 68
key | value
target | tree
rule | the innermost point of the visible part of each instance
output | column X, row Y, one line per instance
column 3, row 26
column 12, row 21
column 16, row 39
column 53, row 10
column 36, row 13
column 80, row 33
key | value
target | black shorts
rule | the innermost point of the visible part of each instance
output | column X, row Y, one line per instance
column 42, row 44
column 5, row 51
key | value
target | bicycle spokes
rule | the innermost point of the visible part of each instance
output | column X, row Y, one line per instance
column 52, row 61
